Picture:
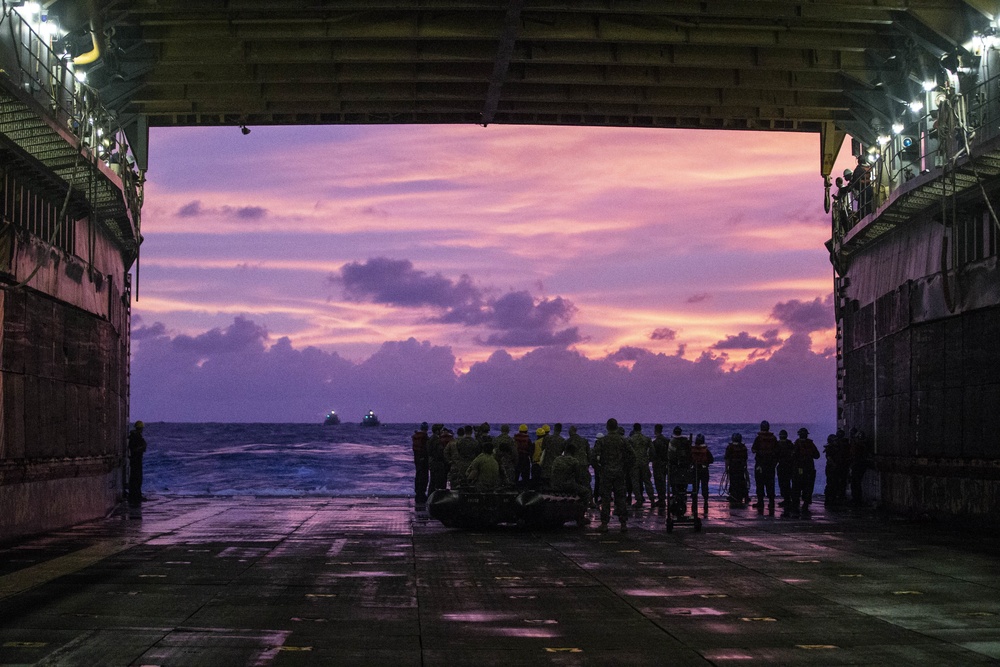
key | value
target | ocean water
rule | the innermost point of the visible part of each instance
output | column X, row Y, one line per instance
column 215, row 459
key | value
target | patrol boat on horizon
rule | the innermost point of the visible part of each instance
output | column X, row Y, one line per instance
column 370, row 419
column 332, row 418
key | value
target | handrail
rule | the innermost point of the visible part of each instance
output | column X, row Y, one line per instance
column 52, row 81
column 949, row 126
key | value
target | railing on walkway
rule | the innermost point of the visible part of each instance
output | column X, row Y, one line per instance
column 27, row 58
column 929, row 137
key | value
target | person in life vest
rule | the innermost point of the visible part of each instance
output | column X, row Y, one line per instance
column 484, row 471
column 658, row 457
column 552, row 447
column 581, row 449
column 569, row 476
column 522, row 474
column 679, row 471
column 421, row 464
column 859, row 463
column 786, row 451
column 462, row 452
column 536, row 458
column 736, row 470
column 438, row 463
column 804, row 475
column 765, row 449
column 701, row 458
column 838, row 465
column 505, row 451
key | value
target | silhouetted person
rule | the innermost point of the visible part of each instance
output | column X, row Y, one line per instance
column 765, row 449
column 437, row 461
column 136, row 448
column 804, row 475
column 421, row 464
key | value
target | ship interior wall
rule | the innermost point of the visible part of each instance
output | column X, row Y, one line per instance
column 64, row 413
column 63, row 369
column 922, row 365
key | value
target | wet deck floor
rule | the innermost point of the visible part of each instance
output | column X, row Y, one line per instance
column 251, row 581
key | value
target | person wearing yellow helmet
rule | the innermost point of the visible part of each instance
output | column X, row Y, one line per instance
column 136, row 448
column 536, row 457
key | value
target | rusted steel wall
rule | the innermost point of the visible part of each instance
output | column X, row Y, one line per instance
column 922, row 368
column 63, row 378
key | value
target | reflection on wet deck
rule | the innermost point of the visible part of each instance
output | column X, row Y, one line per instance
column 369, row 581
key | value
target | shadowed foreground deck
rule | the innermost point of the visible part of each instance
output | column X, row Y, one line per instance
column 251, row 581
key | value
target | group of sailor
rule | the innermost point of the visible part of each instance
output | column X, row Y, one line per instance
column 633, row 469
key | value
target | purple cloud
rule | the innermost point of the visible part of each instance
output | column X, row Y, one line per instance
column 246, row 212
column 190, row 210
column 141, row 332
column 397, row 283
column 805, row 316
column 239, row 336
column 519, row 319
column 699, row 297
column 744, row 341
column 194, row 209
column 231, row 374
column 628, row 353
column 663, row 333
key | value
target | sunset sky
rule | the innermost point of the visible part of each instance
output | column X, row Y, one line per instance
column 468, row 273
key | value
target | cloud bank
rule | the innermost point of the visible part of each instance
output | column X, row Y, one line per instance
column 238, row 373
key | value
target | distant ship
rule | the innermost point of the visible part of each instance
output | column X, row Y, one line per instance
column 370, row 419
column 332, row 419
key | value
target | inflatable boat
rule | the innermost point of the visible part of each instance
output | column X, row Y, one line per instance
column 468, row 509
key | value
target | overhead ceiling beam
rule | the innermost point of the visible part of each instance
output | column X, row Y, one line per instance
column 505, row 51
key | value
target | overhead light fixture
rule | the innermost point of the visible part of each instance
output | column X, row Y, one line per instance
column 80, row 76
column 883, row 139
column 897, row 128
column 929, row 85
column 916, row 106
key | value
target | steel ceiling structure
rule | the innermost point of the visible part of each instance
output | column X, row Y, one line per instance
column 788, row 65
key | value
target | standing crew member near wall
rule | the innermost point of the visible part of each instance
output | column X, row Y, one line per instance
column 421, row 464
column 804, row 476
column 136, row 448
column 838, row 465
